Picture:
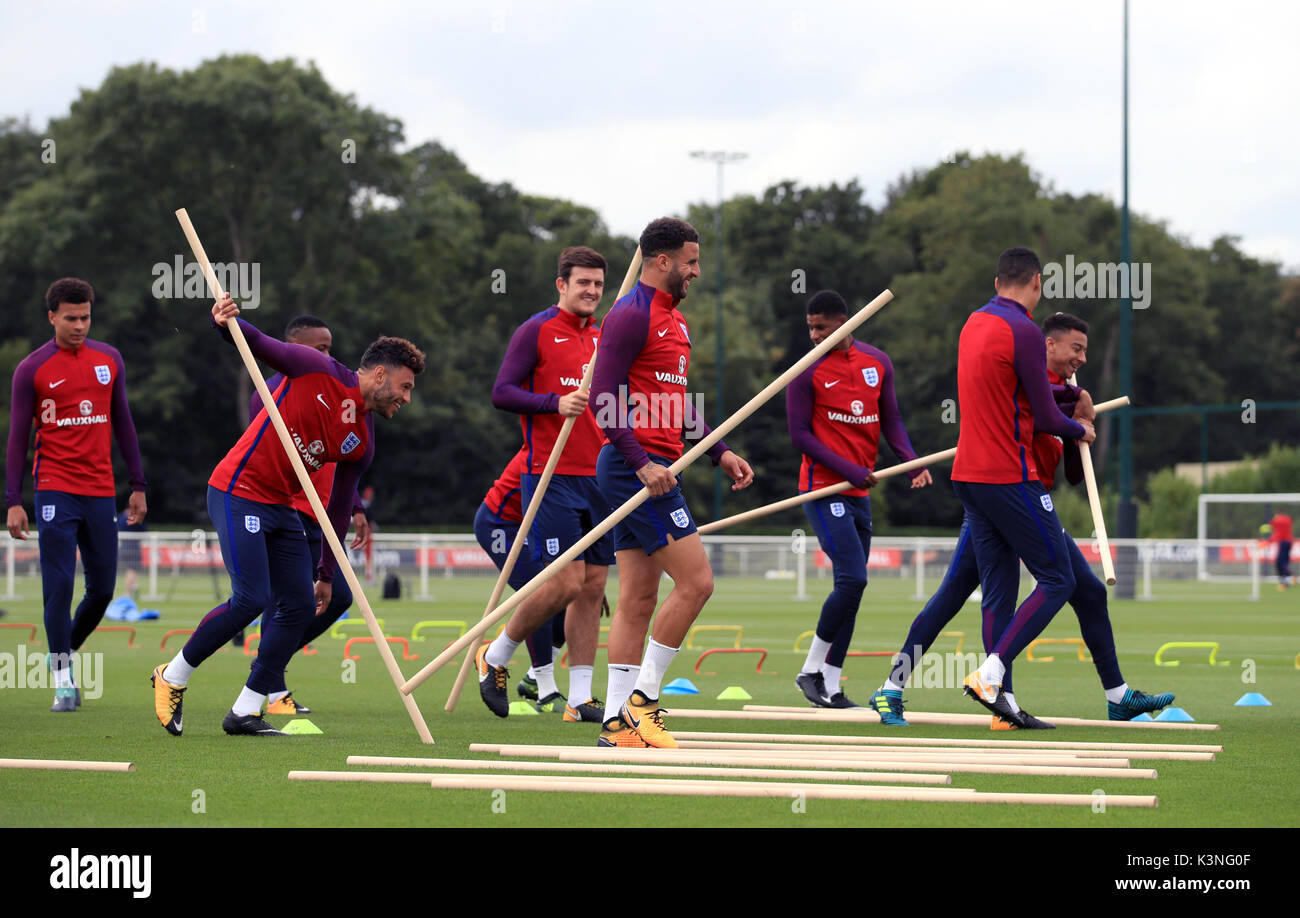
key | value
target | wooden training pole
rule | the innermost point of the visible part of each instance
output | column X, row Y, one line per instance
column 957, row 753
column 793, row 774
column 587, row 785
column 66, row 765
column 782, row 760
column 543, row 483
column 776, row 712
column 899, row 469
column 942, row 741
column 1094, row 504
column 640, row 497
column 327, row 530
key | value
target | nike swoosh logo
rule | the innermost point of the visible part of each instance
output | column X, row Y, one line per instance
column 662, row 333
column 321, row 399
column 829, row 384
column 59, row 383
column 560, row 340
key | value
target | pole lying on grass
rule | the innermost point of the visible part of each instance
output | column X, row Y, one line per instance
column 640, row 497
column 899, row 469
column 327, row 530
column 542, row 484
column 1094, row 504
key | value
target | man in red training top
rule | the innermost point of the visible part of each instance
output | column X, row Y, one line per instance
column 1280, row 534
column 640, row 400
column 329, row 412
column 1004, row 398
column 310, row 331
column 74, row 389
column 837, row 410
column 542, row 368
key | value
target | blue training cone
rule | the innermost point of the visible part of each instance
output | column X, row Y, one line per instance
column 1176, row 714
column 1144, row 716
column 681, row 687
column 1253, row 700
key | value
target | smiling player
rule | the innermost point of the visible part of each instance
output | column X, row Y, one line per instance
column 329, row 412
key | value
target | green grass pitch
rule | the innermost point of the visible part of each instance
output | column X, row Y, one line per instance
column 206, row 778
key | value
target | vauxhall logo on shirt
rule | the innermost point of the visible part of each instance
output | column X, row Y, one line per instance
column 676, row 379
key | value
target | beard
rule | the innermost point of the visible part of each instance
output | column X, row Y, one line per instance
column 677, row 284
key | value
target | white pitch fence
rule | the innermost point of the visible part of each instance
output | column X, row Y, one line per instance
column 181, row 565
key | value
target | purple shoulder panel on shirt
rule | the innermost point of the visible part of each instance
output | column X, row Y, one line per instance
column 508, row 392
column 1030, row 361
column 123, row 424
column 622, row 336
column 891, row 419
column 255, row 400
column 22, row 410
column 292, row 360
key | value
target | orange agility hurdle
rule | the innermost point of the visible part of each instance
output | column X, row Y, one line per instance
column 406, row 648
column 758, row 650
column 32, row 639
column 130, row 639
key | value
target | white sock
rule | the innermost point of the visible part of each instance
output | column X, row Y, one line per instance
column 178, row 672
column 992, row 670
column 545, row 676
column 831, row 675
column 63, row 677
column 501, row 650
column 275, row 696
column 248, row 702
column 654, row 664
column 580, row 684
column 622, row 679
column 891, row 686
column 1116, row 694
column 531, row 675
column 816, row 655
column 1011, row 700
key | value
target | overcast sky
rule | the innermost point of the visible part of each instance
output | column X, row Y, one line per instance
column 601, row 102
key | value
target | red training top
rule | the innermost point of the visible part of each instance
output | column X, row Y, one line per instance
column 547, row 356
column 74, row 396
column 1003, row 396
column 503, row 498
column 1281, row 525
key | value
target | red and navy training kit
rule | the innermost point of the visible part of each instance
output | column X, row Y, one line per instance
column 496, row 526
column 963, row 577
column 836, row 411
column 1280, row 532
column 641, row 403
column 250, row 500
column 548, row 355
column 323, row 480
column 1004, row 399
column 74, row 396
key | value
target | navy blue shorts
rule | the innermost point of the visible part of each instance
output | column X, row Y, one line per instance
column 496, row 536
column 571, row 507
column 843, row 527
column 649, row 525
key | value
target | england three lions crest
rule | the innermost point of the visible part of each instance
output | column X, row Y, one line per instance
column 871, row 376
column 103, row 373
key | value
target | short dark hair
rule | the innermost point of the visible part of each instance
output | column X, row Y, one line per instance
column 1058, row 322
column 393, row 353
column 303, row 321
column 579, row 256
column 667, row 234
column 68, row 290
column 827, row 303
column 1018, row 265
